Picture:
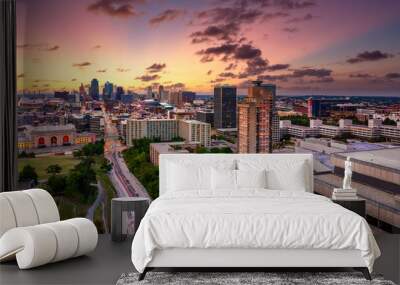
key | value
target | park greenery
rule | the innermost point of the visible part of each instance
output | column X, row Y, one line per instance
column 301, row 120
column 224, row 138
column 29, row 175
column 137, row 159
column 202, row 149
column 71, row 181
column 389, row 122
column 24, row 154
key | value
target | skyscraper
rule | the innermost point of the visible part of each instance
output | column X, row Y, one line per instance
column 187, row 97
column 108, row 90
column 275, row 117
column 161, row 93
column 255, row 116
column 149, row 93
column 82, row 91
column 224, row 107
column 94, row 89
column 119, row 93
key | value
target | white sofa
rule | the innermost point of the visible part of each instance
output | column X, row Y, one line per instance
column 31, row 230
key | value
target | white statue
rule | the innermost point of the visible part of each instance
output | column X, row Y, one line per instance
column 347, row 174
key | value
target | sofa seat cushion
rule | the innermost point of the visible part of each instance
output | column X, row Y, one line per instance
column 41, row 244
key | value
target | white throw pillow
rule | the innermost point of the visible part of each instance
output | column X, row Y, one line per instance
column 223, row 179
column 281, row 174
column 287, row 176
column 251, row 178
column 193, row 175
column 184, row 177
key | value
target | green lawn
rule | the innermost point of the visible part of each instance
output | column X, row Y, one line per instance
column 41, row 163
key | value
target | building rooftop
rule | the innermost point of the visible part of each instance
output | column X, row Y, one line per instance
column 359, row 126
column 300, row 127
column 164, row 148
column 195, row 122
column 54, row 128
column 329, row 127
column 388, row 157
column 227, row 130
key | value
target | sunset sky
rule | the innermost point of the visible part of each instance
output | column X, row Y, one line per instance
column 303, row 46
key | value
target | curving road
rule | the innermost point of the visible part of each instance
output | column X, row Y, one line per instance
column 124, row 181
column 97, row 202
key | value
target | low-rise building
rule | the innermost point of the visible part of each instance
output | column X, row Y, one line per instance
column 195, row 132
column 330, row 131
column 96, row 124
column 205, row 116
column 85, row 138
column 165, row 148
column 163, row 129
column 391, row 133
column 376, row 176
column 363, row 131
column 52, row 136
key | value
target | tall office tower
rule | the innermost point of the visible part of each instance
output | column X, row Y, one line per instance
column 149, row 93
column 94, row 89
column 323, row 107
column 224, row 107
column 187, row 97
column 275, row 117
column 255, row 115
column 119, row 92
column 108, row 90
column 82, row 91
column 175, row 98
column 161, row 94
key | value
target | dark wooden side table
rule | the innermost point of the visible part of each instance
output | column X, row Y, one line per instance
column 357, row 205
column 135, row 207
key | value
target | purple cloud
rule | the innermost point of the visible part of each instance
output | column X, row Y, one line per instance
column 369, row 56
column 166, row 16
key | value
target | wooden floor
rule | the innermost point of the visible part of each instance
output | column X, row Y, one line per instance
column 110, row 260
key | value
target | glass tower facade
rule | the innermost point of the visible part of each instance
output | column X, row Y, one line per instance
column 225, row 107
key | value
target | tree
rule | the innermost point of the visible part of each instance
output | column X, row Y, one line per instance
column 53, row 169
column 297, row 120
column 201, row 149
column 80, row 179
column 24, row 154
column 177, row 139
column 106, row 166
column 28, row 174
column 390, row 122
column 92, row 149
column 57, row 184
column 77, row 153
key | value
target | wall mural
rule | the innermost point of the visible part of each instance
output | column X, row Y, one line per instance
column 105, row 86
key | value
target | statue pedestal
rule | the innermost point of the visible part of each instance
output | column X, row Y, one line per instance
column 344, row 194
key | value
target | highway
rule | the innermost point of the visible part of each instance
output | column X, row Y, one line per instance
column 126, row 184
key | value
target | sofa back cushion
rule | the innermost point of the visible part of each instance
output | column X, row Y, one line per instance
column 26, row 208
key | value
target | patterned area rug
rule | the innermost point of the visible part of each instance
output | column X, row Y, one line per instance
column 242, row 278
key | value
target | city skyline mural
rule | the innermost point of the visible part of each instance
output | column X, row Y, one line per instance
column 304, row 47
